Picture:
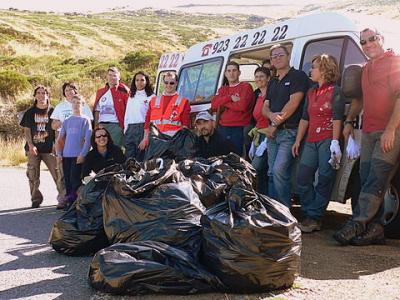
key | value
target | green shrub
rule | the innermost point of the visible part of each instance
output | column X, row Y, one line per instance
column 13, row 83
column 140, row 59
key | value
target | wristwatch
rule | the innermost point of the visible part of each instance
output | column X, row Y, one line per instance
column 349, row 122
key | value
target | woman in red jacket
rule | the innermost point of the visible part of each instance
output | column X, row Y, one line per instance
column 258, row 152
column 322, row 121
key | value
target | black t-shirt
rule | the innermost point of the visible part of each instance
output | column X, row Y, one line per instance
column 216, row 146
column 38, row 121
column 279, row 91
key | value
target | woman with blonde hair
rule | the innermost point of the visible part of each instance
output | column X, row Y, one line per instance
column 322, row 121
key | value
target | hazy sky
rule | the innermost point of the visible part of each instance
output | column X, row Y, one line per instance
column 101, row 5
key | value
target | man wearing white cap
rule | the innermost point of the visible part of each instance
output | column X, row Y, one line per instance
column 209, row 142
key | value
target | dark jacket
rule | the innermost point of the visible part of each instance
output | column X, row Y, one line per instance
column 95, row 162
column 217, row 145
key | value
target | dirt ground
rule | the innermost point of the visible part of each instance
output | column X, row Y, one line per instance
column 30, row 269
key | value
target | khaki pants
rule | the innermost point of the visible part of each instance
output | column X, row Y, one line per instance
column 33, row 174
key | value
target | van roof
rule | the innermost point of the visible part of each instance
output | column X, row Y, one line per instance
column 279, row 32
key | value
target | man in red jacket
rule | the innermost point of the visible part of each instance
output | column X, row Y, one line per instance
column 110, row 105
column 169, row 112
column 234, row 103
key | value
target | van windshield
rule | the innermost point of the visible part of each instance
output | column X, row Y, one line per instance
column 198, row 82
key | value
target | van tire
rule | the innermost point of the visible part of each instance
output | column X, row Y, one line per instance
column 392, row 229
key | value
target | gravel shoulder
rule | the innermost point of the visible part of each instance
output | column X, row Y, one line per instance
column 30, row 269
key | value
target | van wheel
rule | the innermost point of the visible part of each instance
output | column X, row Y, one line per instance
column 391, row 214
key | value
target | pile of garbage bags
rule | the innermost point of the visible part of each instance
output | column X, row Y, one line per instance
column 181, row 227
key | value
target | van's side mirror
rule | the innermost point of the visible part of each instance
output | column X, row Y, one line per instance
column 351, row 82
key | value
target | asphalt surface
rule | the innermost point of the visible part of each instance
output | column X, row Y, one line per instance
column 30, row 269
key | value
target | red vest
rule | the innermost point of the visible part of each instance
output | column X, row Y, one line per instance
column 169, row 122
column 262, row 122
column 320, row 126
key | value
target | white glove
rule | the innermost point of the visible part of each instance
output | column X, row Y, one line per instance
column 252, row 150
column 336, row 154
column 261, row 148
column 353, row 148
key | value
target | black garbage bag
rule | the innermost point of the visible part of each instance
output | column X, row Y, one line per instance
column 168, row 213
column 212, row 178
column 251, row 242
column 180, row 146
column 138, row 179
column 80, row 230
column 149, row 267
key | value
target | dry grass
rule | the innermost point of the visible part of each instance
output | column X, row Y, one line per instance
column 12, row 152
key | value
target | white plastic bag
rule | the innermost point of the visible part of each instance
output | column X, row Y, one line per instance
column 261, row 148
column 252, row 150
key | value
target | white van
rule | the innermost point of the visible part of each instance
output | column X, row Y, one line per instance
column 202, row 73
column 169, row 62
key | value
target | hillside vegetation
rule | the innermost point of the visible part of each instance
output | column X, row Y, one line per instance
column 48, row 48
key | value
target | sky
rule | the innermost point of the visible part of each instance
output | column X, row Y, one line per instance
column 102, row 5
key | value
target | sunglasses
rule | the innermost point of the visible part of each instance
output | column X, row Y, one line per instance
column 101, row 135
column 371, row 39
column 169, row 82
column 275, row 56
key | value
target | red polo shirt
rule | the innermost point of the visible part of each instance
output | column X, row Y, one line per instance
column 380, row 82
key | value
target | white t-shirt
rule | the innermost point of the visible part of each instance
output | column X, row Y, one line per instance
column 106, row 109
column 136, row 108
column 63, row 110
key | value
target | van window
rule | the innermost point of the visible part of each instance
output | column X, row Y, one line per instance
column 200, row 81
column 332, row 46
column 353, row 55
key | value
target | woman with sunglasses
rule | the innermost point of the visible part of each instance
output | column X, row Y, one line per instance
column 135, row 115
column 322, row 122
column 103, row 154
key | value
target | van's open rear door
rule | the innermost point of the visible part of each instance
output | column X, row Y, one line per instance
column 169, row 62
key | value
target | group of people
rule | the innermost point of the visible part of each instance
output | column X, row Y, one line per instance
column 289, row 115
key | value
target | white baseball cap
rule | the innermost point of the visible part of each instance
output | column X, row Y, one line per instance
column 204, row 115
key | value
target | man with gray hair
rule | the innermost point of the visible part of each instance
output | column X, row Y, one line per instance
column 380, row 142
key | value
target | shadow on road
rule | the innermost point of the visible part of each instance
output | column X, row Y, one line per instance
column 323, row 258
column 33, row 263
column 44, row 271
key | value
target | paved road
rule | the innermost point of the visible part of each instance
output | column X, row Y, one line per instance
column 30, row 269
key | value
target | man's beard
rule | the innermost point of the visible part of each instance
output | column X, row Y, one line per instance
column 205, row 132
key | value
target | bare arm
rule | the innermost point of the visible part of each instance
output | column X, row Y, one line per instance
column 291, row 106
column 55, row 124
column 301, row 132
column 355, row 109
column 266, row 112
column 29, row 141
column 96, row 118
column 337, row 129
column 388, row 136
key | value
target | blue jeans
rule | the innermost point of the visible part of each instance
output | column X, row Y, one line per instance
column 280, row 162
column 315, row 198
column 234, row 134
column 260, row 163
